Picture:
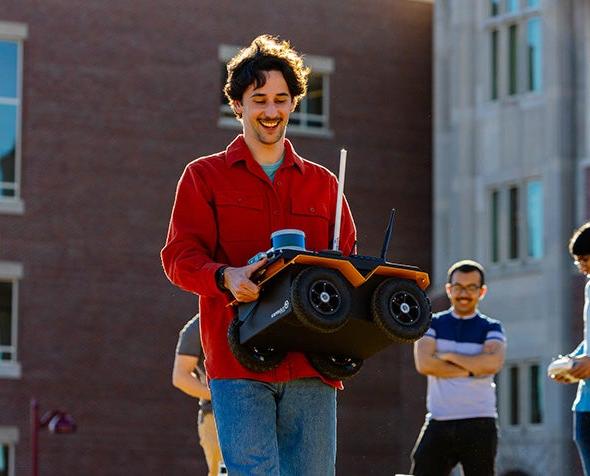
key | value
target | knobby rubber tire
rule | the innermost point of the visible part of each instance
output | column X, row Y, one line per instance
column 335, row 367
column 401, row 310
column 256, row 359
column 322, row 299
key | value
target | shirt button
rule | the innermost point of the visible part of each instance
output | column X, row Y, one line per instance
column 312, row 210
column 276, row 212
column 279, row 183
column 240, row 200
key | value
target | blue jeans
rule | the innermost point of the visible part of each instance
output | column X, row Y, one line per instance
column 582, row 438
column 284, row 429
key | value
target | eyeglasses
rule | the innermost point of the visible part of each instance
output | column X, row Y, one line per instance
column 470, row 288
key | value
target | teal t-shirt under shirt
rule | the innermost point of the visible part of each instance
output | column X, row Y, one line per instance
column 271, row 169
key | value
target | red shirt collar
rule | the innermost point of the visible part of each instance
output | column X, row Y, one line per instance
column 238, row 151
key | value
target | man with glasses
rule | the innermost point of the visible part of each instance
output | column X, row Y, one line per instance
column 460, row 354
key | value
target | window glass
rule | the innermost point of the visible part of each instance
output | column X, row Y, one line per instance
column 4, row 455
column 514, row 396
column 494, row 64
column 8, row 121
column 511, row 6
column 310, row 110
column 5, row 320
column 494, row 7
column 535, row 219
column 9, row 104
column 8, row 69
column 534, row 54
column 512, row 59
column 535, row 406
column 513, row 225
column 532, row 3
column 495, row 226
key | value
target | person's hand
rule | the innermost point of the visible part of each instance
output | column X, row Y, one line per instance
column 560, row 378
column 237, row 281
column 581, row 368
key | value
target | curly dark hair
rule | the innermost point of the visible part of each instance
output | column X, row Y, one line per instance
column 265, row 53
column 579, row 244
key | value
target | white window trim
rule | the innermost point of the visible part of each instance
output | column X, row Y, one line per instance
column 318, row 64
column 9, row 436
column 12, row 271
column 16, row 32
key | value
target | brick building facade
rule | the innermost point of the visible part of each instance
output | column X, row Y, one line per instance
column 112, row 99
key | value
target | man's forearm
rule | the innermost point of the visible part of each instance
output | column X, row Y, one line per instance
column 190, row 385
column 480, row 364
column 436, row 367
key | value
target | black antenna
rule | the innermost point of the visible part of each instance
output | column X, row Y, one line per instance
column 388, row 232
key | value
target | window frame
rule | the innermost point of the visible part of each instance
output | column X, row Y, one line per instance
column 12, row 272
column 524, row 404
column 501, row 223
column 321, row 65
column 18, row 33
column 499, row 80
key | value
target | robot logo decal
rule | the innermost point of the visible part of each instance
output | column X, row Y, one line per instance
column 282, row 310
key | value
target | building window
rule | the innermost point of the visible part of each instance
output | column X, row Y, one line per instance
column 311, row 117
column 494, row 64
column 511, row 6
column 495, row 226
column 516, row 222
column 517, row 25
column 11, row 54
column 534, row 219
column 10, row 274
column 535, row 392
column 8, row 439
column 523, row 400
column 513, row 223
column 494, row 7
column 512, row 59
column 534, row 57
column 514, row 387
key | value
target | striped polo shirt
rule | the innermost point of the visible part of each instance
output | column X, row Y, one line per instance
column 462, row 397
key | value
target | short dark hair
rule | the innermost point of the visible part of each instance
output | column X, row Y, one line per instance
column 579, row 244
column 466, row 266
column 265, row 53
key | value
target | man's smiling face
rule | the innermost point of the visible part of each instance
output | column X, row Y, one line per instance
column 265, row 110
column 464, row 291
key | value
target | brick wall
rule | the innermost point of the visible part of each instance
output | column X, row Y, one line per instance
column 118, row 97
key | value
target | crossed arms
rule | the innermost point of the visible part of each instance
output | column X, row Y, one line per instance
column 453, row 365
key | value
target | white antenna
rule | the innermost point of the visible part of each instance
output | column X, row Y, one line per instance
column 338, row 219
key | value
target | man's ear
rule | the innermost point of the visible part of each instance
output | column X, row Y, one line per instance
column 448, row 290
column 482, row 292
column 237, row 107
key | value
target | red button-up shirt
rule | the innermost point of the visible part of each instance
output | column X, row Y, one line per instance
column 224, row 213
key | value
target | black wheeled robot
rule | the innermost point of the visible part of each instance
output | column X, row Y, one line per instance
column 338, row 310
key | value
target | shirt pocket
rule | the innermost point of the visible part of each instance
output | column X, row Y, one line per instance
column 241, row 217
column 314, row 219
